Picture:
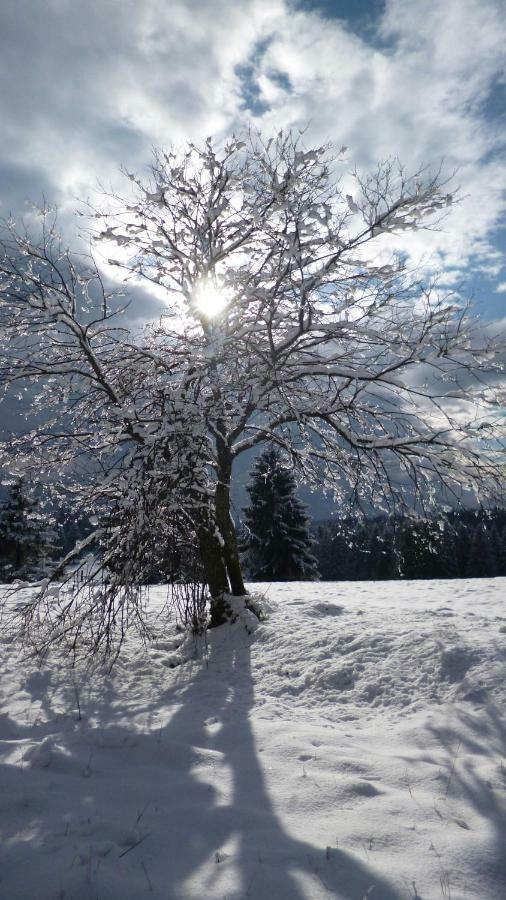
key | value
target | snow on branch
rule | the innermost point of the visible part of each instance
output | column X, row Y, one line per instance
column 290, row 317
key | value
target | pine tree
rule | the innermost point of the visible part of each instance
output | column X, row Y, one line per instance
column 500, row 548
column 277, row 540
column 26, row 545
column 481, row 562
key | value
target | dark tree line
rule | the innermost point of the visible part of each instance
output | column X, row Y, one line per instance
column 464, row 544
column 27, row 544
column 34, row 536
column 277, row 540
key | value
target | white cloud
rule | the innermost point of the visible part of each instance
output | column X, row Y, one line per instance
column 88, row 87
column 91, row 86
column 419, row 96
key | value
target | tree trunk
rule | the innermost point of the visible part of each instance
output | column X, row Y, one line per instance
column 213, row 562
column 218, row 544
column 215, row 572
column 226, row 525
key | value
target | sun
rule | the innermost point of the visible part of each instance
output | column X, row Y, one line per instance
column 210, row 298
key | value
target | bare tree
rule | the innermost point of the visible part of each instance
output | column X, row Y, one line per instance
column 289, row 316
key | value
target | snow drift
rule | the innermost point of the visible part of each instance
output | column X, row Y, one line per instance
column 351, row 746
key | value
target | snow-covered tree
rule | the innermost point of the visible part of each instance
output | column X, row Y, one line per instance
column 26, row 542
column 277, row 541
column 289, row 316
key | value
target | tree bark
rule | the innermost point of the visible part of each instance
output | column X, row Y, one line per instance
column 218, row 544
column 213, row 561
column 225, row 523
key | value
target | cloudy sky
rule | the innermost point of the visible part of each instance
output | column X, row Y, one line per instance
column 90, row 85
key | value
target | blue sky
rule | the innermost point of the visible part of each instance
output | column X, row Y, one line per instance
column 90, row 86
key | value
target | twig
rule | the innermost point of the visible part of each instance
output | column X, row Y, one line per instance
column 133, row 846
column 148, row 879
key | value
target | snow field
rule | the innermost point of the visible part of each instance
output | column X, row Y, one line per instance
column 351, row 746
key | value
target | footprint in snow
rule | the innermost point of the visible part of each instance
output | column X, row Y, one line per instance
column 114, row 738
column 8, row 728
column 325, row 609
column 476, row 695
column 213, row 724
column 167, row 646
column 363, row 789
column 455, row 662
column 171, row 662
column 38, row 682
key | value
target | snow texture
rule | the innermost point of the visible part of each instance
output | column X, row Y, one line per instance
column 349, row 746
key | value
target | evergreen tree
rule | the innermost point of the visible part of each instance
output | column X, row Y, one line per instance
column 383, row 562
column 481, row 562
column 25, row 544
column 277, row 542
column 500, row 548
column 332, row 551
column 460, row 544
column 70, row 528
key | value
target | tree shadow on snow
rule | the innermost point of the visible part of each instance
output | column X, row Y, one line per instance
column 244, row 830
column 472, row 736
column 194, row 796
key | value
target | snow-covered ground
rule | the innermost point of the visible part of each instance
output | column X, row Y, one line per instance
column 351, row 747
